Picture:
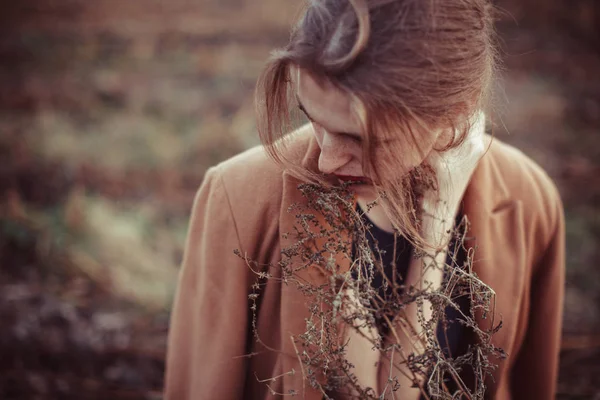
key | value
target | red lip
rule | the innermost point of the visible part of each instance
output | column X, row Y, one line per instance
column 349, row 178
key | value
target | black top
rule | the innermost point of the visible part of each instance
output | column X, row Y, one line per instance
column 382, row 242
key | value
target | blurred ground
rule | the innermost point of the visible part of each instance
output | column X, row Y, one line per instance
column 110, row 113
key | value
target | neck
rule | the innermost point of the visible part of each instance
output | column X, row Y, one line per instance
column 376, row 215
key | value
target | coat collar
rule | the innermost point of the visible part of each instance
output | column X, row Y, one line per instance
column 495, row 236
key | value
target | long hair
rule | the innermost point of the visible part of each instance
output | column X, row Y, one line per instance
column 407, row 65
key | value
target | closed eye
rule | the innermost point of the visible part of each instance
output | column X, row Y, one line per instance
column 349, row 136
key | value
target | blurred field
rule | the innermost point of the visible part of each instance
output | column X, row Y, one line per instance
column 110, row 113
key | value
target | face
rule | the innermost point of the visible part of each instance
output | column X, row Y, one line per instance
column 338, row 132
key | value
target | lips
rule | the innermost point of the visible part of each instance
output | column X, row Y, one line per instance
column 350, row 178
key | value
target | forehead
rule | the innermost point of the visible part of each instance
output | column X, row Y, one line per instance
column 326, row 104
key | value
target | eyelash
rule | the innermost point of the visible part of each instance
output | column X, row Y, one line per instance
column 351, row 137
column 304, row 112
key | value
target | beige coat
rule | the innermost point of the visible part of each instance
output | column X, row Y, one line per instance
column 517, row 222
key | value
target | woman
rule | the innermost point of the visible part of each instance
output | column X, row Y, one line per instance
column 394, row 91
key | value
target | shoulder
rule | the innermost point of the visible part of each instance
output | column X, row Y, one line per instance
column 245, row 196
column 250, row 174
column 253, row 178
column 523, row 180
column 521, row 172
column 251, row 184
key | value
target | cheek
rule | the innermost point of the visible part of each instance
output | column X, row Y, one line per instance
column 353, row 151
column 356, row 150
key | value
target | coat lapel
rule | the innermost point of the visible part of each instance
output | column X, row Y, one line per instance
column 294, row 312
column 496, row 235
column 294, row 305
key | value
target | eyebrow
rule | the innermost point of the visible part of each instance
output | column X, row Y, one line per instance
column 303, row 109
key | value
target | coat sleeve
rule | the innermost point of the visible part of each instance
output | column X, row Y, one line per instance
column 536, row 368
column 209, row 320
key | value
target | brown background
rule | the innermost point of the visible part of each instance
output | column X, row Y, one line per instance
column 111, row 111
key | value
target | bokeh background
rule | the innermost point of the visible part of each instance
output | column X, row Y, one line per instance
column 110, row 113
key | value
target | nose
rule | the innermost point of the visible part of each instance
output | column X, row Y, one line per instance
column 333, row 155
